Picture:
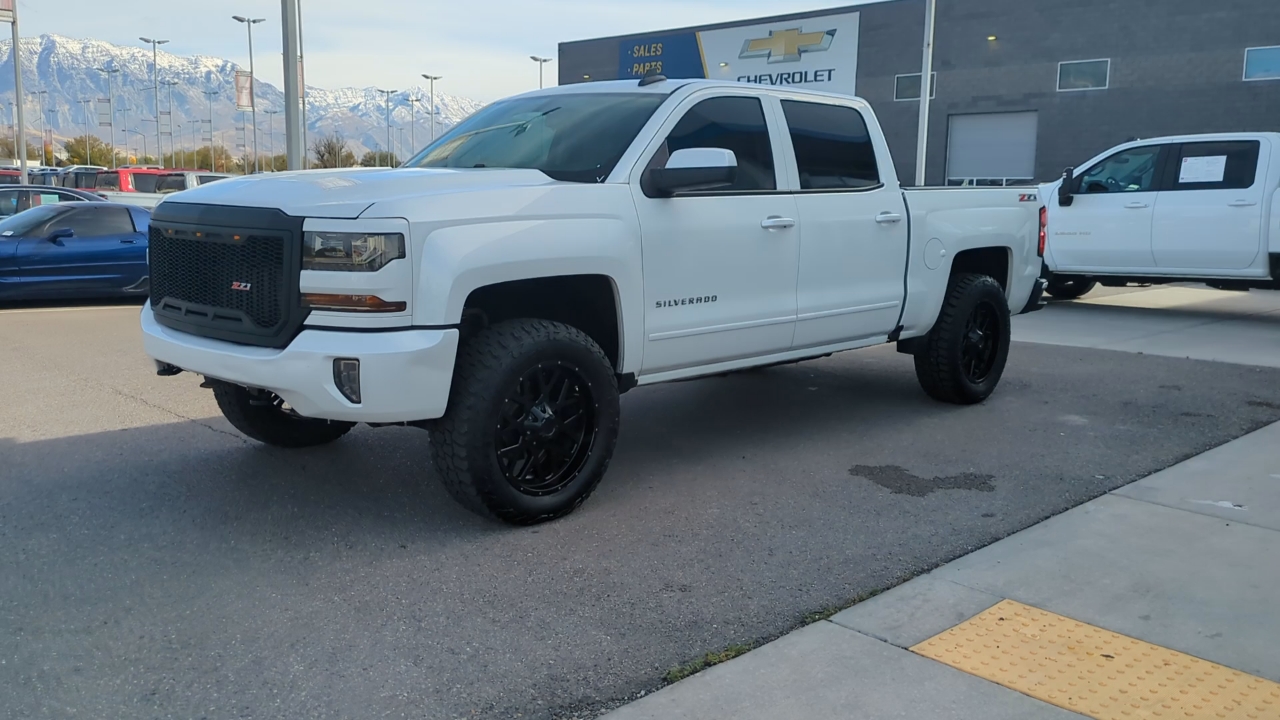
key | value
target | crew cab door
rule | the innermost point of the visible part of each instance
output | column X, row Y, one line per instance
column 719, row 266
column 1209, row 215
column 102, row 254
column 853, row 220
column 1108, row 225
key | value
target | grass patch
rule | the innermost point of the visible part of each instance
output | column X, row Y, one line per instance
column 827, row 614
column 680, row 672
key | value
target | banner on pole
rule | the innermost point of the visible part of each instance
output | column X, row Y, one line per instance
column 104, row 112
column 6, row 11
column 244, row 91
column 166, row 122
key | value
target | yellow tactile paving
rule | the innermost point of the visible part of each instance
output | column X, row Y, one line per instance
column 1096, row 672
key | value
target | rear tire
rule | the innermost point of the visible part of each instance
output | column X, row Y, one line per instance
column 963, row 357
column 262, row 416
column 1069, row 288
column 532, row 422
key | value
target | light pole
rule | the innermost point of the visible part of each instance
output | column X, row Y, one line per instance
column 926, row 70
column 253, row 103
column 10, row 14
column 302, row 90
column 195, row 144
column 209, row 94
column 432, row 79
column 541, row 62
column 111, row 107
column 145, row 152
column 387, row 94
column 140, row 134
column 155, row 85
column 44, row 121
column 413, row 121
column 88, row 147
column 172, row 151
column 271, row 136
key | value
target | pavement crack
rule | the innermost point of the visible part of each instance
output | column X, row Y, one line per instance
column 175, row 414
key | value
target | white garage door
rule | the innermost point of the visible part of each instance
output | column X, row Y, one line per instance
column 991, row 149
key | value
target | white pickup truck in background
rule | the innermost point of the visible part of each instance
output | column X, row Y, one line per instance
column 563, row 246
column 1197, row 208
column 160, row 185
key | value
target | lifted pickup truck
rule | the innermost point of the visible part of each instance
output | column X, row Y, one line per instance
column 560, row 247
column 1195, row 208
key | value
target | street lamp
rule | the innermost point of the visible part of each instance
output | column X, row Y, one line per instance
column 172, row 151
column 111, row 105
column 44, row 121
column 253, row 103
column 387, row 94
column 142, row 135
column 541, row 62
column 195, row 144
column 432, row 79
column 271, row 136
column 155, row 85
column 209, row 94
column 413, row 121
column 88, row 148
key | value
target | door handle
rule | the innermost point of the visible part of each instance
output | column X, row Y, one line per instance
column 1137, row 206
column 1241, row 203
column 775, row 222
column 128, row 242
column 888, row 217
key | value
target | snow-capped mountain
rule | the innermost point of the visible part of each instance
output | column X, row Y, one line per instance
column 68, row 71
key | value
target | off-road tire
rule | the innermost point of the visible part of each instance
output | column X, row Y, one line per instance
column 270, row 424
column 1069, row 288
column 938, row 361
column 489, row 369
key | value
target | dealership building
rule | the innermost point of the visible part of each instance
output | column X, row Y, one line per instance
column 1020, row 89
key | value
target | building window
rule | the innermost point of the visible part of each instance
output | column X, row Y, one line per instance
column 1084, row 75
column 1262, row 63
column 907, row 87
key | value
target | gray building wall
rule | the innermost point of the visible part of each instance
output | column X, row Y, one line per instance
column 1176, row 67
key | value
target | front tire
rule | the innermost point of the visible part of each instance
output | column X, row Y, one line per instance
column 963, row 357
column 263, row 416
column 532, row 422
column 1069, row 288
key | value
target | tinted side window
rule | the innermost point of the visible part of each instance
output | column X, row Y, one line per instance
column 730, row 123
column 1216, row 166
column 1132, row 170
column 145, row 182
column 108, row 181
column 98, row 222
column 9, row 202
column 209, row 178
column 833, row 146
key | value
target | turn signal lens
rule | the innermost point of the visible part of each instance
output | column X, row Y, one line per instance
column 351, row 303
column 1044, row 228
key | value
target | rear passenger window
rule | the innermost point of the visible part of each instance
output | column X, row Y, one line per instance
column 729, row 123
column 833, row 146
column 1216, row 165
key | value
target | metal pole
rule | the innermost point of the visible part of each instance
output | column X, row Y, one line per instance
column 88, row 148
column 926, row 72
column 293, row 139
column 387, row 94
column 432, row 79
column 541, row 61
column 20, row 144
column 212, row 163
column 173, row 150
column 413, row 121
column 302, row 91
column 155, row 86
column 111, row 109
column 271, row 134
column 253, row 101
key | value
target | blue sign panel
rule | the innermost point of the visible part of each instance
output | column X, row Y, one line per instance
column 675, row 56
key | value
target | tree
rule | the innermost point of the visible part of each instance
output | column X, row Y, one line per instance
column 97, row 151
column 331, row 151
column 8, row 151
column 379, row 158
column 276, row 163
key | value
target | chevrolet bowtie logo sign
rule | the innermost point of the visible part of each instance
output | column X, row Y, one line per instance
column 787, row 45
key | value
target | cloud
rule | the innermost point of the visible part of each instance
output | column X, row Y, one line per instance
column 482, row 47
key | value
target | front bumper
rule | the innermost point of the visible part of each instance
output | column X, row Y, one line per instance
column 405, row 375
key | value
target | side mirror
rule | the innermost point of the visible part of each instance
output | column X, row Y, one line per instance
column 56, row 236
column 1066, row 188
column 692, row 169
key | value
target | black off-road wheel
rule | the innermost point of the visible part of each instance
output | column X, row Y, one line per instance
column 963, row 357
column 265, row 417
column 1068, row 288
column 532, row 422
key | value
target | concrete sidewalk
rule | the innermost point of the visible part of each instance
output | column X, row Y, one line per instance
column 1184, row 565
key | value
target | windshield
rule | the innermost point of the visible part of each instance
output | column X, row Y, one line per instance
column 24, row 222
column 570, row 137
column 108, row 181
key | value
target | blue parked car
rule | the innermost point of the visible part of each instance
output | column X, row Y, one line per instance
column 74, row 250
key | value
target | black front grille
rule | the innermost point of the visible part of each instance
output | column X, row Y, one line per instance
column 214, row 276
column 223, row 271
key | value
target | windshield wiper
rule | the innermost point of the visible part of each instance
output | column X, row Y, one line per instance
column 524, row 126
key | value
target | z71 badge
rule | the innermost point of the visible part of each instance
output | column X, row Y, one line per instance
column 1028, row 197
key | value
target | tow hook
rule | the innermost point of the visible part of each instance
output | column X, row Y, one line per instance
column 164, row 369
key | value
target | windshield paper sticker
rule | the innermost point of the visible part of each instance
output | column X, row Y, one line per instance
column 1209, row 169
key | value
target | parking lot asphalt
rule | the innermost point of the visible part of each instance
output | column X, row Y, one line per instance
column 153, row 564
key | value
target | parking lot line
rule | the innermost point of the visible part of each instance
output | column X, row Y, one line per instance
column 1097, row 672
column 18, row 311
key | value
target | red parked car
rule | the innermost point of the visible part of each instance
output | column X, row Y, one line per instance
column 130, row 179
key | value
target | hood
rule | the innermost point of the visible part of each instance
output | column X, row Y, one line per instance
column 346, row 193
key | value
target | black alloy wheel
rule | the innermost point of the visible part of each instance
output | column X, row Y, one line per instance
column 981, row 343
column 546, row 429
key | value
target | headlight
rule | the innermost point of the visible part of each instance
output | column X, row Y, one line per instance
column 352, row 252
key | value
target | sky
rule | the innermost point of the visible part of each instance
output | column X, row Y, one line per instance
column 481, row 47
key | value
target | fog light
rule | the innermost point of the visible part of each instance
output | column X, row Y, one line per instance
column 346, row 375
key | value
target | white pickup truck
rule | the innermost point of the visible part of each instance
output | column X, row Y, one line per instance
column 1195, row 208
column 561, row 247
